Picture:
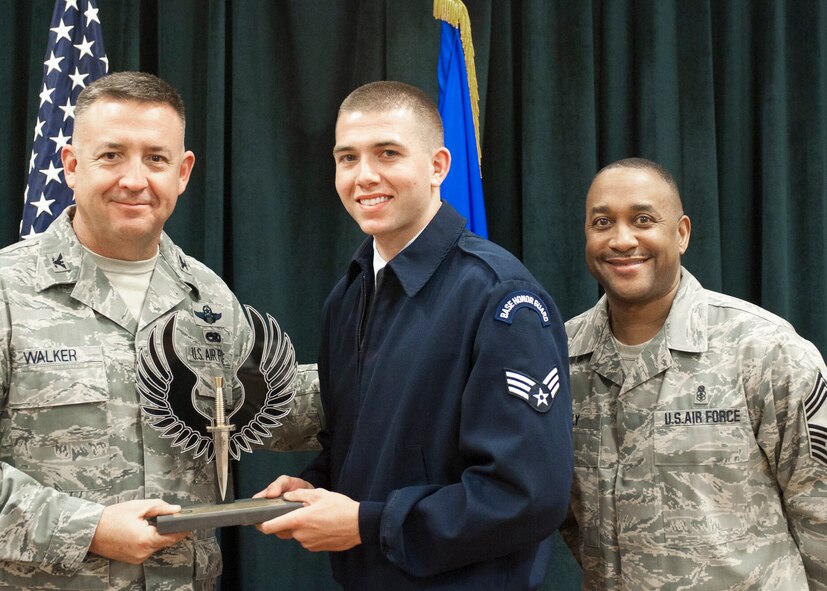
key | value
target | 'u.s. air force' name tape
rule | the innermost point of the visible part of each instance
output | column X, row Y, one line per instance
column 709, row 416
column 516, row 301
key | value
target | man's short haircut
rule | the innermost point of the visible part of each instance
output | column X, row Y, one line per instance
column 130, row 86
column 644, row 163
column 388, row 95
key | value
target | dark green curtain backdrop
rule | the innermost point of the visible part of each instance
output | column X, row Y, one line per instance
column 729, row 95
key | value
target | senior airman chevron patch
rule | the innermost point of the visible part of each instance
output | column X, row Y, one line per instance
column 538, row 395
column 815, row 411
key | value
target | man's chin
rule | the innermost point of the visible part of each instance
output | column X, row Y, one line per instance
column 136, row 231
column 629, row 295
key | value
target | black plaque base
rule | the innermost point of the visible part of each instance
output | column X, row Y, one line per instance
column 244, row 512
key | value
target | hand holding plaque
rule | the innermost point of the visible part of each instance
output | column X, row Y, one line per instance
column 173, row 399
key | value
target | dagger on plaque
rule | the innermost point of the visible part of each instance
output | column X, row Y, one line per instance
column 221, row 438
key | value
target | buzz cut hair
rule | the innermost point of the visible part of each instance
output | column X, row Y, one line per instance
column 138, row 87
column 644, row 163
column 388, row 95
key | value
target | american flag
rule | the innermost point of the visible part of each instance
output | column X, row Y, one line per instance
column 74, row 58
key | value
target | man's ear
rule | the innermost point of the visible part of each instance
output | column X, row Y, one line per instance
column 70, row 164
column 684, row 230
column 185, row 170
column 441, row 164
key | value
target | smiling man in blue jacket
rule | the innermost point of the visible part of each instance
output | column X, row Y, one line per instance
column 446, row 459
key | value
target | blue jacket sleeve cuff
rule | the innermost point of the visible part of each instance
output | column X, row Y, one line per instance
column 370, row 515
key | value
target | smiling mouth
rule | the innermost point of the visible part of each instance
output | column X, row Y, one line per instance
column 374, row 200
column 130, row 203
column 625, row 262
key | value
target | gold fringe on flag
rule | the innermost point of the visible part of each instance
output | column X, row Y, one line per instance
column 455, row 14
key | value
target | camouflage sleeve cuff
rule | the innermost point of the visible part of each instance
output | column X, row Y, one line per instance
column 73, row 533
column 299, row 429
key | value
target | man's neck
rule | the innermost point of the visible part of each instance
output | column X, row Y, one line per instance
column 125, row 250
column 633, row 324
column 389, row 247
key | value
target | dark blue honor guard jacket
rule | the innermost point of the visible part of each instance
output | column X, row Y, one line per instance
column 448, row 416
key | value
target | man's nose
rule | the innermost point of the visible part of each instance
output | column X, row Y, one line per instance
column 134, row 176
column 623, row 238
column 367, row 174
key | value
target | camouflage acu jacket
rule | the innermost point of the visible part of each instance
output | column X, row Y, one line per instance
column 72, row 437
column 702, row 468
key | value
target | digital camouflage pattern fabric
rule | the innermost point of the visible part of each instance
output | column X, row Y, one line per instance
column 695, row 471
column 72, row 437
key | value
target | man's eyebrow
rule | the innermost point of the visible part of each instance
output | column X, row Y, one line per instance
column 643, row 207
column 600, row 209
column 635, row 207
column 385, row 144
column 159, row 149
column 120, row 146
column 109, row 146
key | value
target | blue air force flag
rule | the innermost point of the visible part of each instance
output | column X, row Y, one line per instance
column 458, row 99
column 74, row 57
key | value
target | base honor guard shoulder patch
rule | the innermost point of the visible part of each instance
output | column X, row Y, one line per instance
column 538, row 394
column 516, row 301
column 815, row 411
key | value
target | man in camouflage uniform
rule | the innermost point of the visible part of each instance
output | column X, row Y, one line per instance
column 80, row 469
column 699, row 419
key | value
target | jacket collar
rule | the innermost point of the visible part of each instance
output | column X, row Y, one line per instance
column 61, row 261
column 416, row 264
column 61, row 257
column 685, row 328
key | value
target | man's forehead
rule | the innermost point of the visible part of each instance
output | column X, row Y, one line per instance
column 360, row 115
column 637, row 189
column 110, row 121
column 629, row 175
column 374, row 129
column 110, row 104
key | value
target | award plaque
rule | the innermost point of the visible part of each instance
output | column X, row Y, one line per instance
column 243, row 512
column 213, row 423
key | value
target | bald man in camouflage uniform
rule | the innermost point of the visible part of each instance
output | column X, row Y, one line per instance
column 80, row 469
column 699, row 419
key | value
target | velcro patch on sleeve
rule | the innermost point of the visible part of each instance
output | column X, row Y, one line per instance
column 815, row 412
column 516, row 301
column 538, row 394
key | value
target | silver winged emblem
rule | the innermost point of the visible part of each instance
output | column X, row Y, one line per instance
column 169, row 388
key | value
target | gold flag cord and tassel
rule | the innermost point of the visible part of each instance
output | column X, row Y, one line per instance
column 455, row 14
